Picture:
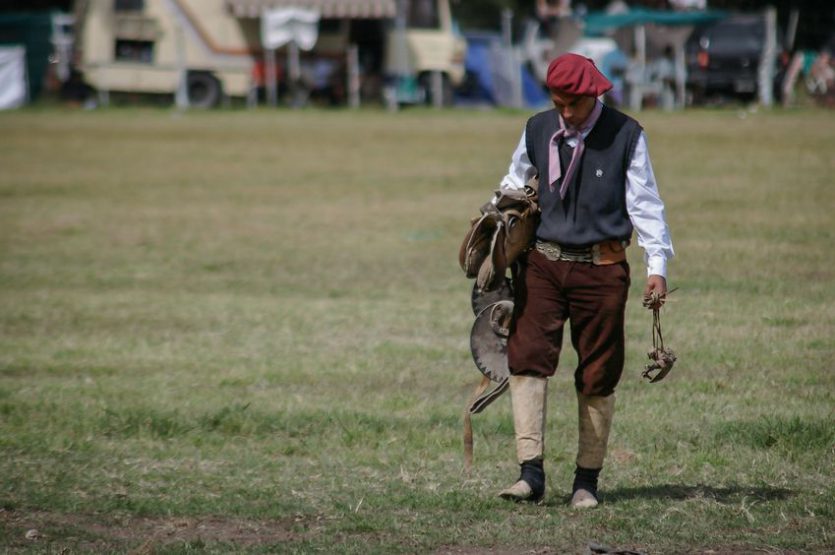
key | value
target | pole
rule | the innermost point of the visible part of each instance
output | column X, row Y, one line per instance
column 401, row 77
column 353, row 66
column 768, row 59
column 181, row 96
column 437, row 89
column 512, row 71
column 791, row 28
column 637, row 92
column 680, row 75
column 294, row 73
column 270, row 77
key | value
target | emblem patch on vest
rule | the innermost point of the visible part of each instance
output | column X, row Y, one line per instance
column 599, row 172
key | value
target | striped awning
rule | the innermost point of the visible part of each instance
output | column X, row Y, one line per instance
column 336, row 9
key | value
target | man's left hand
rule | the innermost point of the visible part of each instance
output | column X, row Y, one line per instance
column 656, row 287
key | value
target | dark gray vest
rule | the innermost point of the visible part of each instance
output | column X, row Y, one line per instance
column 594, row 208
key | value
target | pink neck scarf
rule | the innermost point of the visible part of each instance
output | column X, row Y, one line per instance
column 554, row 169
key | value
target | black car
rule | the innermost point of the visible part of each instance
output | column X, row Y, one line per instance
column 723, row 58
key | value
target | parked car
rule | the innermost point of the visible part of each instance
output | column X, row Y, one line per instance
column 724, row 57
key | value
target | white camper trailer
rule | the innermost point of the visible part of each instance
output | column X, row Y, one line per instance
column 213, row 47
column 147, row 45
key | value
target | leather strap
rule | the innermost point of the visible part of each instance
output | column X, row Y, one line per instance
column 480, row 400
column 485, row 399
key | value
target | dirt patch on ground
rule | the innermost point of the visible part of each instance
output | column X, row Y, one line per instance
column 28, row 529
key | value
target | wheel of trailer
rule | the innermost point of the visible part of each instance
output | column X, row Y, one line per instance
column 204, row 90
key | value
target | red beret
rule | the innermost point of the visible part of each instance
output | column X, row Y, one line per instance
column 575, row 74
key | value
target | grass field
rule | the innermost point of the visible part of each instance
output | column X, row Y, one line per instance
column 247, row 331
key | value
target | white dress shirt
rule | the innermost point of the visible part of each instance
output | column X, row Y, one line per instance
column 643, row 203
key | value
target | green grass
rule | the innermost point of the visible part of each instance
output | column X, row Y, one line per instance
column 247, row 331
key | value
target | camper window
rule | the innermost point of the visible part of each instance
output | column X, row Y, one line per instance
column 128, row 5
column 330, row 26
column 134, row 51
column 423, row 14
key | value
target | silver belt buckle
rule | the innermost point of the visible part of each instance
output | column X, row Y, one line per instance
column 551, row 251
column 554, row 252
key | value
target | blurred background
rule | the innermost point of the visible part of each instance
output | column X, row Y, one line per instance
column 664, row 54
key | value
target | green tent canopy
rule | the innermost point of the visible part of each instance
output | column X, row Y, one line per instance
column 597, row 23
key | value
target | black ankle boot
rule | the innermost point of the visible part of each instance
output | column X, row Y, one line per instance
column 586, row 478
column 533, row 473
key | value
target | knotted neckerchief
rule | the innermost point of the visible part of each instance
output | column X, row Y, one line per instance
column 554, row 169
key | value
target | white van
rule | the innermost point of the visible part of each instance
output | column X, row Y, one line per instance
column 432, row 45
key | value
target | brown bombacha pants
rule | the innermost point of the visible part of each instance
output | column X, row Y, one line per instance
column 592, row 298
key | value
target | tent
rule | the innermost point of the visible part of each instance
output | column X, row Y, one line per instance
column 486, row 79
column 597, row 23
column 658, row 28
column 14, row 89
column 32, row 30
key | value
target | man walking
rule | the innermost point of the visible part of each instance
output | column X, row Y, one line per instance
column 596, row 186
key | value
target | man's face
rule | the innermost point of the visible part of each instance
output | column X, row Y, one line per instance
column 574, row 109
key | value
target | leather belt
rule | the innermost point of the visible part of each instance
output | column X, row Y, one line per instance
column 601, row 254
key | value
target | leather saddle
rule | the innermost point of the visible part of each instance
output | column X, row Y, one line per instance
column 505, row 229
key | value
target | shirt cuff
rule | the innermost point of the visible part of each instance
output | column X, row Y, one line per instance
column 657, row 266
